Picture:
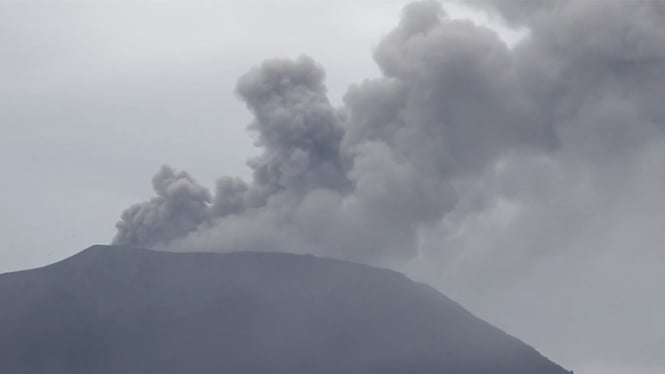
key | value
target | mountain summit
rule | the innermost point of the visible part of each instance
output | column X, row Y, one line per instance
column 116, row 309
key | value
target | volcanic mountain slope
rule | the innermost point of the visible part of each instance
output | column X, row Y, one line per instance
column 123, row 310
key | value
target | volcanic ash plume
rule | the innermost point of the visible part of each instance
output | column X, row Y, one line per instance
column 458, row 124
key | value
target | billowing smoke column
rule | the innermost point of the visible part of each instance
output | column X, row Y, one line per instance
column 526, row 181
column 411, row 157
column 180, row 207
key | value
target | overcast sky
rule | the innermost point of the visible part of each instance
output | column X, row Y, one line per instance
column 97, row 95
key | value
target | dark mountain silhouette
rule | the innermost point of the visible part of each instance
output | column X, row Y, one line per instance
column 122, row 310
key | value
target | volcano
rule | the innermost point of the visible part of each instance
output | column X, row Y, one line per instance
column 114, row 309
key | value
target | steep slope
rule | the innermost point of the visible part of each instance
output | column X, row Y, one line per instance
column 123, row 310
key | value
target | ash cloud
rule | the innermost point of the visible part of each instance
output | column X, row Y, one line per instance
column 453, row 105
column 181, row 205
column 492, row 171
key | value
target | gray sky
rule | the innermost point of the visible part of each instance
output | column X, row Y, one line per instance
column 554, row 237
column 97, row 95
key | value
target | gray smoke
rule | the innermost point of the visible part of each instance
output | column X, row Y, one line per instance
column 494, row 171
column 181, row 205
column 365, row 180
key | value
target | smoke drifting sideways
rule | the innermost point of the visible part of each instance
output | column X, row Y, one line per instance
column 423, row 145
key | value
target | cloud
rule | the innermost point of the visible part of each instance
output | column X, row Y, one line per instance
column 494, row 171
column 181, row 205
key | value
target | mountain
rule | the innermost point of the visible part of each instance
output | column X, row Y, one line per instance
column 124, row 310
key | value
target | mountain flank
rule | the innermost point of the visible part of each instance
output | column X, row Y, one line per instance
column 113, row 309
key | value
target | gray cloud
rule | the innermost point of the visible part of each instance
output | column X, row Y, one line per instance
column 181, row 205
column 454, row 104
column 494, row 171
column 521, row 11
column 297, row 127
